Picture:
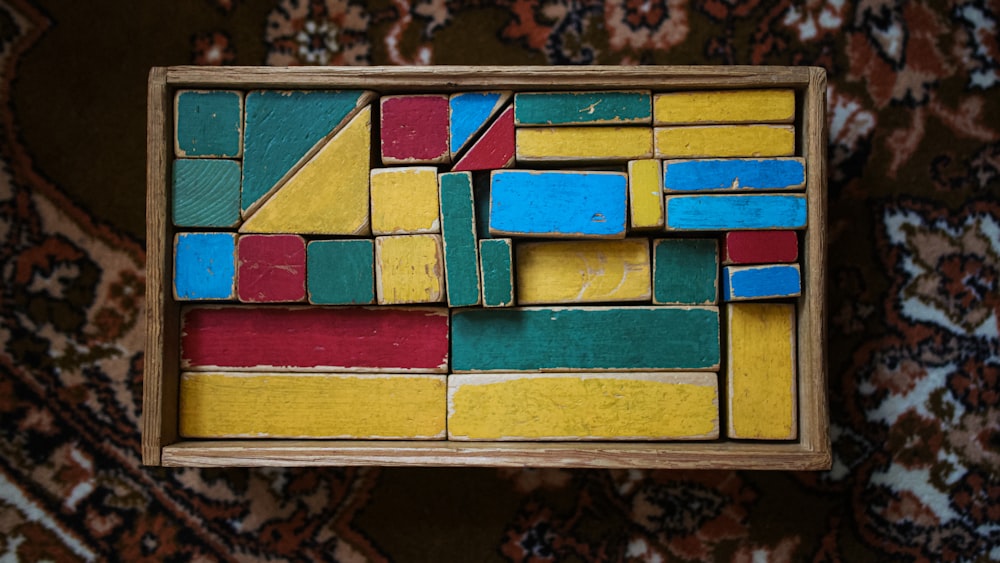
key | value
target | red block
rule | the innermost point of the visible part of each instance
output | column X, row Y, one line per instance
column 271, row 268
column 495, row 149
column 414, row 129
column 371, row 339
column 760, row 247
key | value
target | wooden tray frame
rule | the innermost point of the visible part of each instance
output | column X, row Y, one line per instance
column 161, row 444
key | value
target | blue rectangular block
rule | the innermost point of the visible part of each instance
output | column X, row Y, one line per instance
column 735, row 212
column 741, row 283
column 205, row 266
column 731, row 174
column 558, row 204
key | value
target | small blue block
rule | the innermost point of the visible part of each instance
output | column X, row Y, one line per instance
column 209, row 124
column 206, row 192
column 734, row 174
column 741, row 283
column 205, row 266
column 469, row 113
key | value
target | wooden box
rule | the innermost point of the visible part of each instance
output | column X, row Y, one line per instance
column 161, row 440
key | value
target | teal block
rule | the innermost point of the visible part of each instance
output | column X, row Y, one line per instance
column 206, row 192
column 685, row 271
column 341, row 272
column 496, row 263
column 205, row 266
column 458, row 231
column 572, row 108
column 208, row 123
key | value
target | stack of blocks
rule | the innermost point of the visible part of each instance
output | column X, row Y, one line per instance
column 488, row 265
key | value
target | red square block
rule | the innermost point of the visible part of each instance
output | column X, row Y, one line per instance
column 414, row 129
column 760, row 247
column 271, row 268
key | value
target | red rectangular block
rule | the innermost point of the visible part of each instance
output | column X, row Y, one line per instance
column 372, row 339
column 760, row 247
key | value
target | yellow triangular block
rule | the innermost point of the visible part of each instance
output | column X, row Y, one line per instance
column 329, row 194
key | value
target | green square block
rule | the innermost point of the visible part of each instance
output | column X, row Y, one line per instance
column 685, row 272
column 208, row 124
column 206, row 193
column 341, row 272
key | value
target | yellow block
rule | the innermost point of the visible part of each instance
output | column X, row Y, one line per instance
column 728, row 106
column 762, row 401
column 645, row 194
column 583, row 271
column 633, row 406
column 297, row 405
column 409, row 269
column 725, row 140
column 583, row 143
column 405, row 200
column 329, row 194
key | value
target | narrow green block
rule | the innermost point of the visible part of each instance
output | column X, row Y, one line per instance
column 496, row 262
column 685, row 271
column 458, row 230
column 206, row 192
column 592, row 108
column 341, row 272
column 208, row 123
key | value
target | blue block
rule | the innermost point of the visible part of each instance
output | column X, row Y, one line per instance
column 205, row 266
column 558, row 204
column 740, row 283
column 209, row 123
column 735, row 212
column 734, row 174
column 469, row 113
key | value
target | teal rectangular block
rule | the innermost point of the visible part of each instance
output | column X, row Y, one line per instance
column 206, row 192
column 591, row 108
column 341, row 272
column 685, row 272
column 772, row 281
column 458, row 231
column 205, row 266
column 735, row 212
column 208, row 123
column 496, row 261
column 585, row 339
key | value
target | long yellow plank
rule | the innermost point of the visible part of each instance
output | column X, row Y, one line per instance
column 725, row 106
column 583, row 143
column 761, row 371
column 725, row 141
column 297, row 405
column 583, row 271
column 633, row 406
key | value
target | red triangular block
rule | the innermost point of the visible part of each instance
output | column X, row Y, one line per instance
column 495, row 149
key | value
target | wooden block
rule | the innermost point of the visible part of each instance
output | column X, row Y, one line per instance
column 583, row 144
column 590, row 108
column 458, row 232
column 204, row 266
column 725, row 141
column 583, row 271
column 494, row 149
column 741, row 283
column 268, row 338
column 735, row 212
column 558, row 203
column 405, row 200
column 761, row 371
column 645, row 194
column 206, row 193
column 577, row 406
column 760, row 247
column 208, row 123
column 341, row 272
column 414, row 129
column 298, row 405
column 685, row 272
column 633, row 338
column 271, row 268
column 497, row 266
column 284, row 129
column 468, row 114
column 724, row 106
column 734, row 174
column 329, row 194
column 409, row 269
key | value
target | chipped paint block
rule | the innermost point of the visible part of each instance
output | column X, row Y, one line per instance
column 772, row 281
column 734, row 174
column 710, row 141
column 735, row 212
column 494, row 149
column 209, row 123
column 685, row 271
column 469, row 112
column 760, row 247
column 405, row 200
column 414, row 129
column 271, row 268
column 497, row 267
column 409, row 269
column 204, row 266
column 645, row 194
column 587, row 108
column 583, row 271
column 341, row 272
column 725, row 106
column 458, row 233
column 583, row 144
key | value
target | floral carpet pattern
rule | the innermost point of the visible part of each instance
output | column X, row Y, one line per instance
column 914, row 223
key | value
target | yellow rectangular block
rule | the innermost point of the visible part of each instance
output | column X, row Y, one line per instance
column 761, row 374
column 583, row 406
column 409, row 269
column 583, row 144
column 725, row 141
column 405, row 200
column 583, row 271
column 314, row 405
column 645, row 194
column 724, row 106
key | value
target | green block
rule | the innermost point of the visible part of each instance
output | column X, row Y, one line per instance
column 590, row 108
column 206, row 192
column 209, row 123
column 341, row 272
column 685, row 272
column 458, row 231
column 498, row 274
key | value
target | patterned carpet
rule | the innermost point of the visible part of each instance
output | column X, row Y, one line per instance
column 914, row 141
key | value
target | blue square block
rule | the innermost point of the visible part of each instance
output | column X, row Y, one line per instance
column 208, row 124
column 206, row 192
column 205, row 266
column 341, row 272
